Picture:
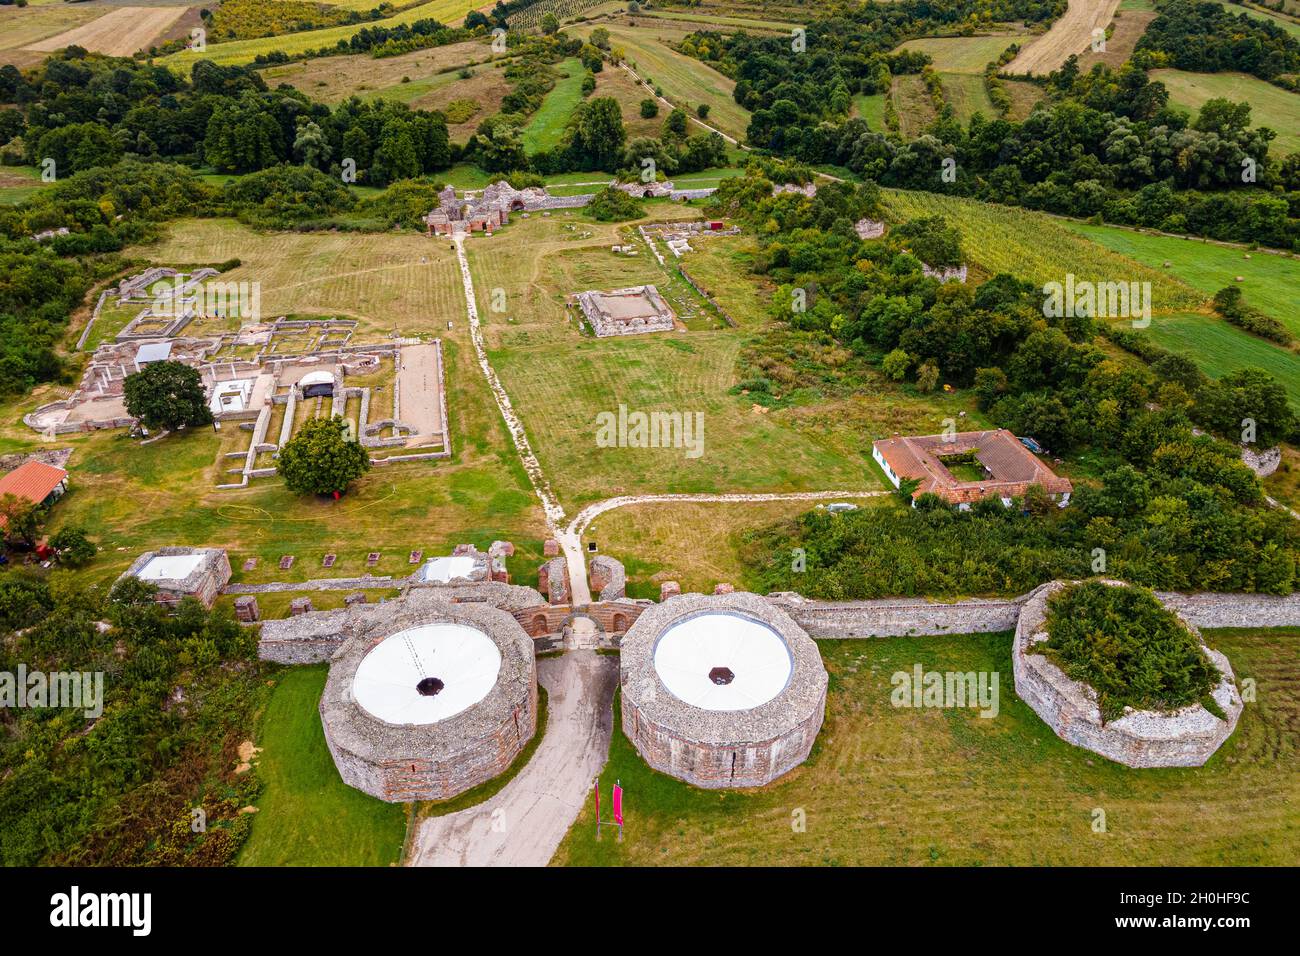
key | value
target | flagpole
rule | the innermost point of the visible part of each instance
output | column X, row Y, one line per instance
column 598, row 808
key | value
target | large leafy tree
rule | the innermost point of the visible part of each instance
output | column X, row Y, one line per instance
column 321, row 458
column 167, row 395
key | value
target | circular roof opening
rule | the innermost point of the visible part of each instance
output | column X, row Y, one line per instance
column 721, row 661
column 426, row 674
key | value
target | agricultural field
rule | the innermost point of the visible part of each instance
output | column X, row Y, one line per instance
column 450, row 12
column 967, row 95
column 1218, row 348
column 119, row 32
column 1129, row 25
column 1038, row 247
column 1070, row 34
column 964, row 54
column 530, row 18
column 301, row 788
column 336, row 78
column 1271, row 283
column 721, row 23
column 912, row 103
column 895, row 786
column 21, row 27
column 1270, row 105
column 685, row 81
column 871, row 107
column 620, row 85
column 545, row 128
column 1024, row 97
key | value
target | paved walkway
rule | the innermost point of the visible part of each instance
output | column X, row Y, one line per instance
column 523, row 824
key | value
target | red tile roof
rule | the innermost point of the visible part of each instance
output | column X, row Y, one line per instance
column 33, row 480
column 1011, row 466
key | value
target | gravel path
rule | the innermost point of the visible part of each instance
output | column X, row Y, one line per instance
column 523, row 824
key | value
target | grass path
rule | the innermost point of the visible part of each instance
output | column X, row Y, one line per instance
column 546, row 127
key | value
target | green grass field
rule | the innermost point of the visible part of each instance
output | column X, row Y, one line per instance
column 18, row 184
column 967, row 95
column 545, row 128
column 963, row 54
column 871, row 108
column 891, row 786
column 306, row 815
column 1270, row 105
column 1219, row 348
column 1272, row 282
column 685, row 81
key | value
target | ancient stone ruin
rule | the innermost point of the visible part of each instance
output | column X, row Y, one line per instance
column 631, row 311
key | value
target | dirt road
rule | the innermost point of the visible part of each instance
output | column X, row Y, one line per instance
column 1071, row 34
column 523, row 824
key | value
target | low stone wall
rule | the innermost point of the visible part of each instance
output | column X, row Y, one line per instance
column 1208, row 609
column 898, row 617
column 1183, row 738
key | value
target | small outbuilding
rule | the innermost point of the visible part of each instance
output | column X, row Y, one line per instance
column 183, row 572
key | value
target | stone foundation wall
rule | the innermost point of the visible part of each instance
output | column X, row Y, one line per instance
column 1183, row 738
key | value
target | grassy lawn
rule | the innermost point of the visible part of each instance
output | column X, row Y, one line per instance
column 871, row 108
column 685, row 81
column 913, row 105
column 306, row 815
column 546, row 127
column 1272, row 282
column 1270, row 105
column 888, row 786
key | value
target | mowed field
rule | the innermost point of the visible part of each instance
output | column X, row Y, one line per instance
column 1271, row 283
column 21, row 26
column 131, row 497
column 545, row 128
column 450, row 12
column 119, row 32
column 1070, row 34
column 1129, row 25
column 891, row 786
column 1270, row 105
column 964, row 54
column 685, row 81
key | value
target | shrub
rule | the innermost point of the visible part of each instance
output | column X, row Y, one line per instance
column 1126, row 647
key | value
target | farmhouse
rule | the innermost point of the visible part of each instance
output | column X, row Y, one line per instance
column 995, row 462
column 36, row 482
column 630, row 311
column 183, row 572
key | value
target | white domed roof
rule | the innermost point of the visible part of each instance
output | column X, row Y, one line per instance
column 722, row 661
column 426, row 674
column 321, row 377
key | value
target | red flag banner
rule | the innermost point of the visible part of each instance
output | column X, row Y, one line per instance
column 618, row 804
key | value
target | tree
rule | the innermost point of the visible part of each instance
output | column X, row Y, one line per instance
column 649, row 108
column 896, row 364
column 550, row 23
column 321, row 458
column 73, row 547
column 598, row 134
column 702, row 111
column 20, row 519
column 675, row 125
column 167, row 395
column 927, row 376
